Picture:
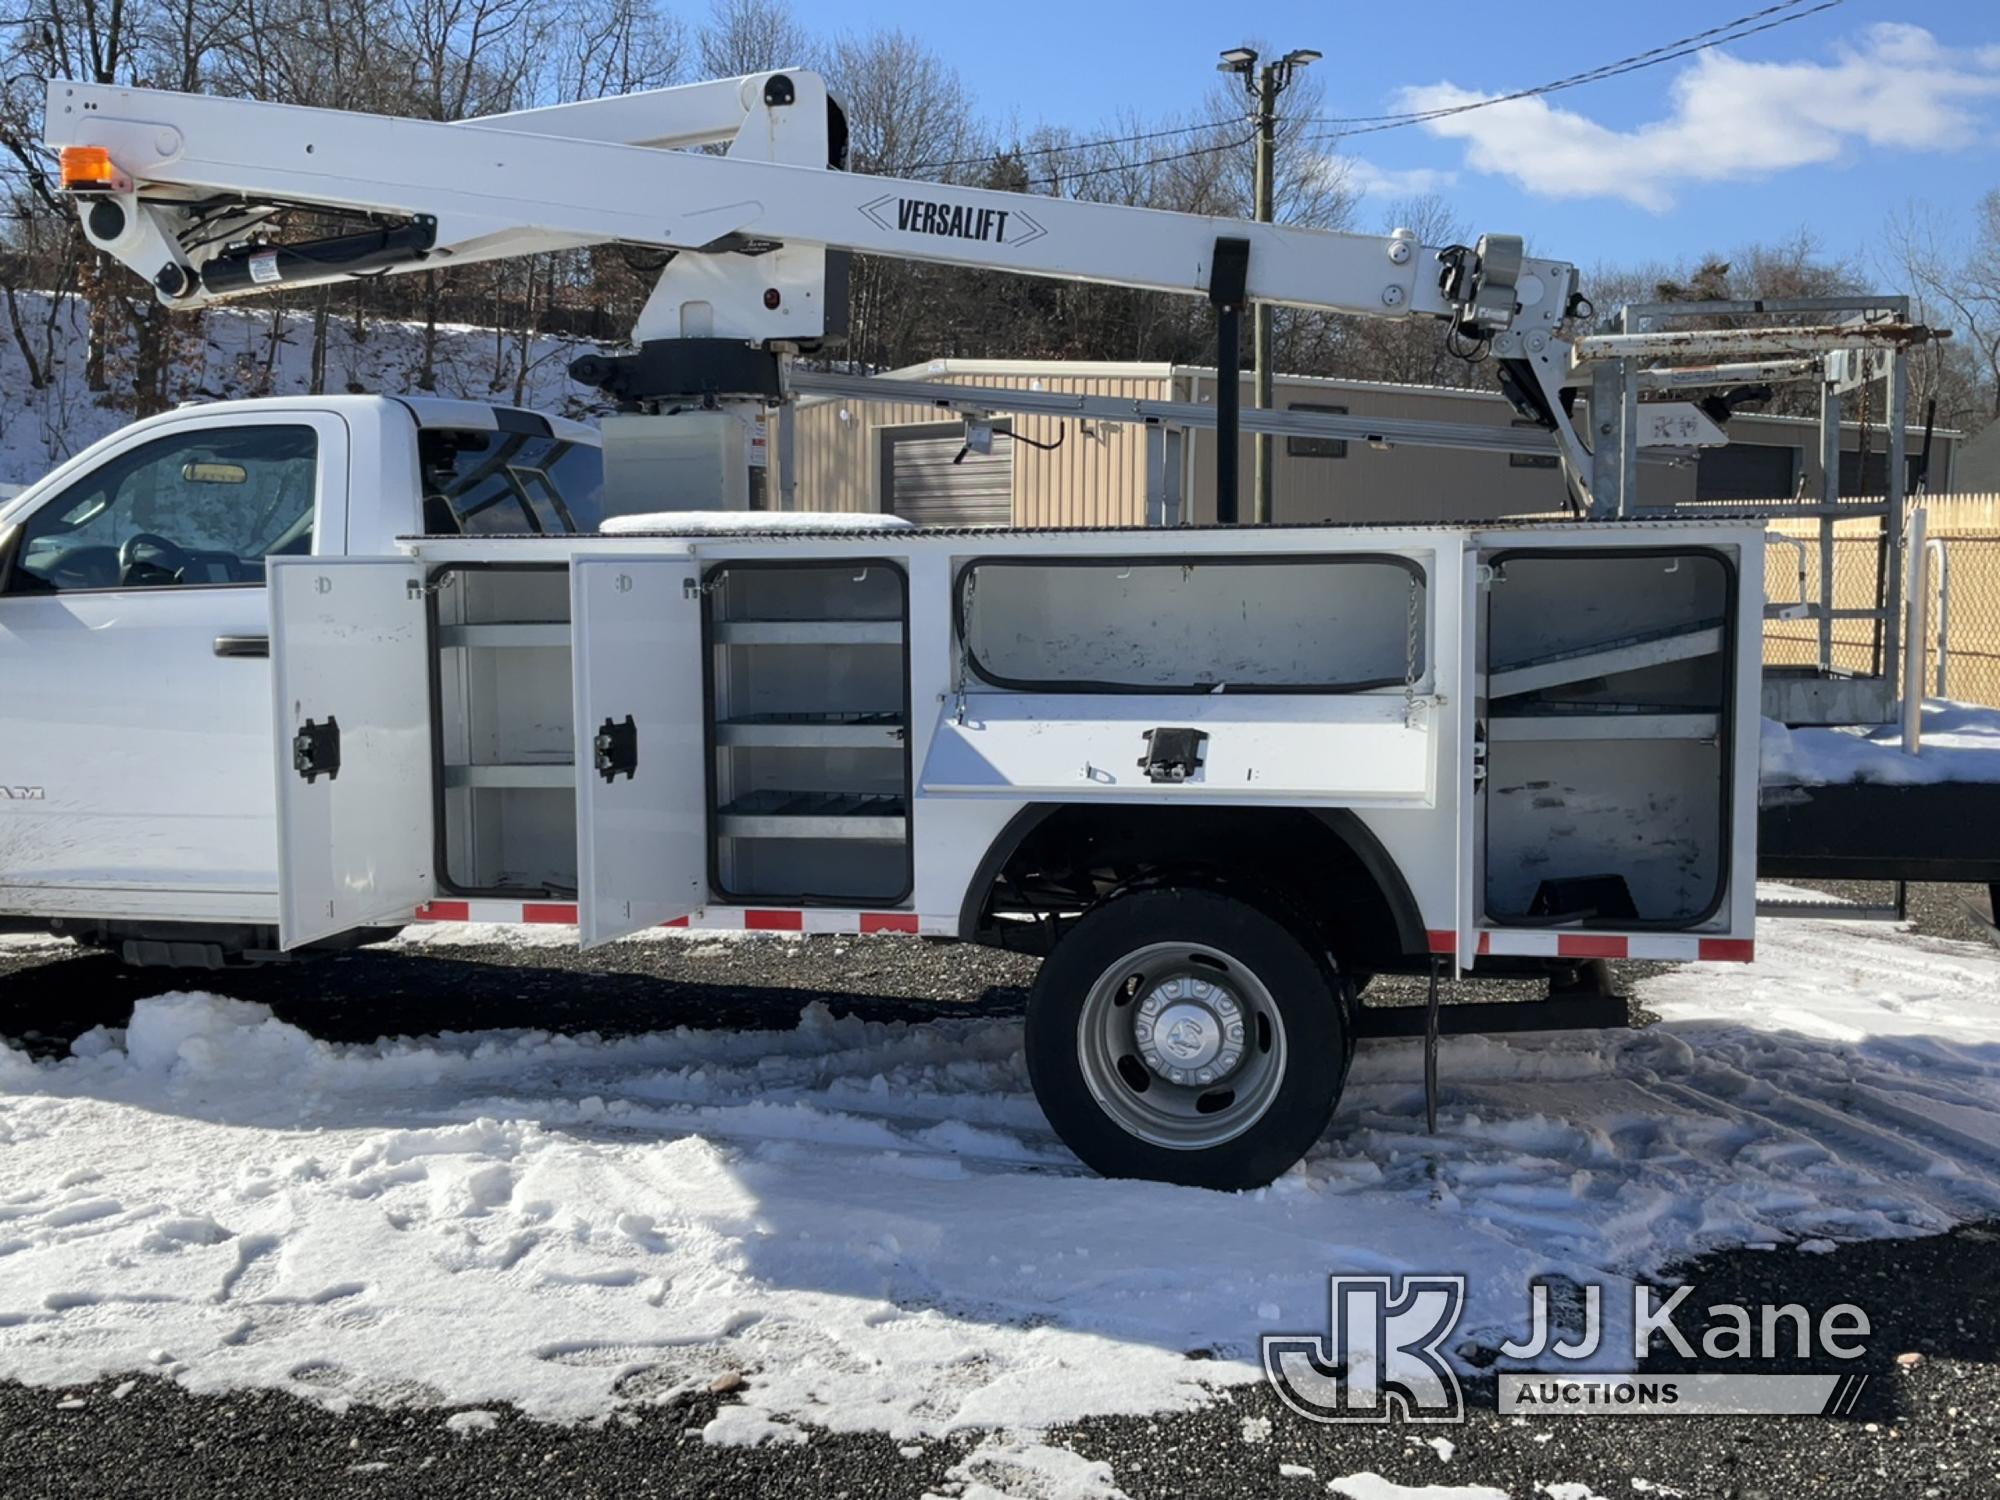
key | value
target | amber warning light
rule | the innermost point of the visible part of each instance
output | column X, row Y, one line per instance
column 88, row 169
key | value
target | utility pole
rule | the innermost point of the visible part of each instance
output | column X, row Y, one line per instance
column 1264, row 85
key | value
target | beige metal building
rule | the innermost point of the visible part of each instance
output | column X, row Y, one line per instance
column 898, row 458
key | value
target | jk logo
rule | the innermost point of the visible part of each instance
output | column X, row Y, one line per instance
column 1381, row 1357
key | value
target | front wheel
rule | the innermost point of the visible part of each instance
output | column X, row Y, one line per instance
column 1188, row 1037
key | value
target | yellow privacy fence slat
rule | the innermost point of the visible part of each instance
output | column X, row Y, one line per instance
column 1969, row 527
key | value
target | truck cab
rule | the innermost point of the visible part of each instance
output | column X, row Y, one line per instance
column 136, row 792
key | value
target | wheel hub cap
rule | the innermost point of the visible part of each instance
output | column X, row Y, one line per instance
column 1189, row 1031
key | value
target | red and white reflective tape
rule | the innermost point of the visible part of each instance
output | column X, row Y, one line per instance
column 710, row 919
column 1670, row 948
column 1513, row 943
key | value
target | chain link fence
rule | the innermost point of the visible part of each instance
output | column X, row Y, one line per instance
column 1792, row 576
column 1966, row 589
column 1963, row 662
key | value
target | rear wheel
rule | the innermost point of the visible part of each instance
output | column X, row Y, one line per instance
column 1189, row 1037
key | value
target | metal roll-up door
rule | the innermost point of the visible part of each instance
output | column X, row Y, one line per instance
column 1746, row 471
column 921, row 483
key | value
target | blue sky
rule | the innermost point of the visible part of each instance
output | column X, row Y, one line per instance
column 1830, row 122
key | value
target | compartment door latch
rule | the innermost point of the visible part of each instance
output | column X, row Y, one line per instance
column 617, row 749
column 316, row 750
column 1173, row 754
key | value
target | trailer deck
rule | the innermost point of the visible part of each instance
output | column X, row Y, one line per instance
column 1852, row 805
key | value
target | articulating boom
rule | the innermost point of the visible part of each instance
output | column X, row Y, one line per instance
column 186, row 191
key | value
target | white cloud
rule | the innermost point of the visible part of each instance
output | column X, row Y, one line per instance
column 1898, row 87
column 1365, row 179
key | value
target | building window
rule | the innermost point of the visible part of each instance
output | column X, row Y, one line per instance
column 1532, row 460
column 1316, row 447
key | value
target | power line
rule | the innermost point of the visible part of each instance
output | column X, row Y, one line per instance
column 1058, row 178
column 1110, row 140
column 1769, row 18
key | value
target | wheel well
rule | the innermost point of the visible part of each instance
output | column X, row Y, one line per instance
column 1055, row 860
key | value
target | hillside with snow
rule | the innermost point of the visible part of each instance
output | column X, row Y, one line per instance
column 236, row 352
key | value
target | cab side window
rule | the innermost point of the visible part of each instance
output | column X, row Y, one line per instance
column 193, row 509
column 501, row 482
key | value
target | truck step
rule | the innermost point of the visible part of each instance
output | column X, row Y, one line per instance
column 1830, row 910
column 1474, row 1017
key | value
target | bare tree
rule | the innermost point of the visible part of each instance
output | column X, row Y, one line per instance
column 601, row 47
column 1955, row 282
column 751, row 36
column 1411, row 350
column 908, row 115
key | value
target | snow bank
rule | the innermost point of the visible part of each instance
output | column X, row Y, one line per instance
column 871, row 1224
column 751, row 523
column 1959, row 742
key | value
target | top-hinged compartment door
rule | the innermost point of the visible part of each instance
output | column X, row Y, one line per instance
column 1236, row 623
column 1214, row 676
column 641, row 802
column 350, row 679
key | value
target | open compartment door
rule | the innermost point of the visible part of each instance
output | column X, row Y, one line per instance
column 350, row 694
column 641, row 799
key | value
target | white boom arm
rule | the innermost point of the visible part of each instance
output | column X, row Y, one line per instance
column 193, row 180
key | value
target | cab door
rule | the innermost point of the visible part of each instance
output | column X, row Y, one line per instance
column 135, row 718
column 641, row 743
column 351, row 715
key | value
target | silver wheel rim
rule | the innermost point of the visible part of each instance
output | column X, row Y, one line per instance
column 1181, row 1045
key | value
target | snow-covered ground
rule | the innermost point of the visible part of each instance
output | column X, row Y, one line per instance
column 872, row 1223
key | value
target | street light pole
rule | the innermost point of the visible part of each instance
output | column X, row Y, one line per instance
column 1264, row 85
column 1260, row 349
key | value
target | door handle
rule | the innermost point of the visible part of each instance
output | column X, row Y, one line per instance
column 243, row 645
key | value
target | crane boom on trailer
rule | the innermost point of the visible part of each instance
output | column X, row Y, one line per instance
column 187, row 191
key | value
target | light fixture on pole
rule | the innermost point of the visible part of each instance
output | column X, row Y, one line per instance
column 1264, row 85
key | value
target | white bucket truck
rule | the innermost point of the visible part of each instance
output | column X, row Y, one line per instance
column 1219, row 776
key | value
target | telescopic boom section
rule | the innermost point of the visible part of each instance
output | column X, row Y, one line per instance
column 185, row 189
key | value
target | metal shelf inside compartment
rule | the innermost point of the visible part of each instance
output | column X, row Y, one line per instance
column 1630, row 653
column 1604, row 721
column 529, row 634
column 544, row 775
column 809, row 632
column 777, row 814
column 874, row 730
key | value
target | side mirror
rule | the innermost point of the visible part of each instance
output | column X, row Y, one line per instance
column 10, row 549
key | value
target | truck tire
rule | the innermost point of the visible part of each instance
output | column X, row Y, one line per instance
column 1187, row 1036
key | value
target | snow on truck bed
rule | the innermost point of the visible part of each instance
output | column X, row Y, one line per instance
column 749, row 523
column 1958, row 742
column 872, row 1221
